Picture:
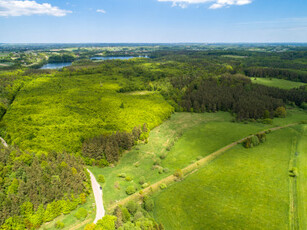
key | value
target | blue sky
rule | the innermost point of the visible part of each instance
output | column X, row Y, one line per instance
column 208, row 21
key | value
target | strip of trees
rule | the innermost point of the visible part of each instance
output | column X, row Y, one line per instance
column 106, row 149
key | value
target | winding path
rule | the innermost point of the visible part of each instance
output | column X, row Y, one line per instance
column 4, row 142
column 100, row 212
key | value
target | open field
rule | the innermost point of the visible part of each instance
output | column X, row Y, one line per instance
column 280, row 83
column 242, row 189
column 183, row 139
column 57, row 113
column 302, row 178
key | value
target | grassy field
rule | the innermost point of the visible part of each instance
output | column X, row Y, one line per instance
column 57, row 112
column 70, row 221
column 242, row 189
column 280, row 83
column 302, row 179
column 182, row 140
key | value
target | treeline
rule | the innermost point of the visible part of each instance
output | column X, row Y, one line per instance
column 237, row 94
column 131, row 216
column 106, row 149
column 36, row 189
column 291, row 75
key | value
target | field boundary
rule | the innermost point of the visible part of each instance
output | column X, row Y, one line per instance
column 188, row 170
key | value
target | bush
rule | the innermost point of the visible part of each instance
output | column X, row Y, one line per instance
column 255, row 140
column 81, row 213
column 163, row 156
column 148, row 204
column 157, row 161
column 267, row 121
column 166, row 170
column 122, row 175
column 128, row 178
column 142, row 180
column 130, row 190
column 59, row 225
column 101, row 178
column 126, row 215
column 132, row 207
column 163, row 186
column 145, row 185
column 281, row 112
column 179, row 174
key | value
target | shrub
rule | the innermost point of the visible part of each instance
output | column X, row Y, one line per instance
column 281, row 112
column 142, row 180
column 126, row 215
column 138, row 215
column 128, row 178
column 157, row 161
column 101, row 178
column 145, row 185
column 267, row 121
column 81, row 213
column 163, row 156
column 148, row 204
column 160, row 170
column 166, row 170
column 132, row 207
column 122, row 175
column 163, row 186
column 59, row 225
column 136, row 164
column 130, row 190
column 178, row 173
column 107, row 223
column 255, row 140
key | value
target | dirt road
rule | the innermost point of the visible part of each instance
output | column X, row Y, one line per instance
column 100, row 212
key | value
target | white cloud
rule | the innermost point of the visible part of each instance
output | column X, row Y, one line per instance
column 27, row 8
column 101, row 11
column 215, row 4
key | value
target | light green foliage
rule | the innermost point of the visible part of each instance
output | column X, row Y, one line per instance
column 130, row 189
column 59, row 225
column 163, row 186
column 106, row 223
column 56, row 113
column 148, row 204
column 224, row 192
column 101, row 178
column 81, row 213
column 142, row 180
column 132, row 207
column 280, row 83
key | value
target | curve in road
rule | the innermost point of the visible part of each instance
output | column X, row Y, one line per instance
column 4, row 142
column 100, row 212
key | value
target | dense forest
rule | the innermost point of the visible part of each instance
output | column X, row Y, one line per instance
column 38, row 188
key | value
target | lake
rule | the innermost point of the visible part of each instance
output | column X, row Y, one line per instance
column 65, row 64
column 56, row 65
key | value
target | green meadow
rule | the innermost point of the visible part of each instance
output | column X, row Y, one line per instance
column 242, row 189
column 275, row 82
column 178, row 142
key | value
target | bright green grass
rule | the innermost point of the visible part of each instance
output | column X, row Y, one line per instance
column 242, row 189
column 56, row 113
column 144, row 155
column 202, row 135
column 302, row 179
column 71, row 221
column 280, row 83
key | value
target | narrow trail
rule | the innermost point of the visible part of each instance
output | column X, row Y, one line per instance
column 189, row 169
column 4, row 142
column 100, row 212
